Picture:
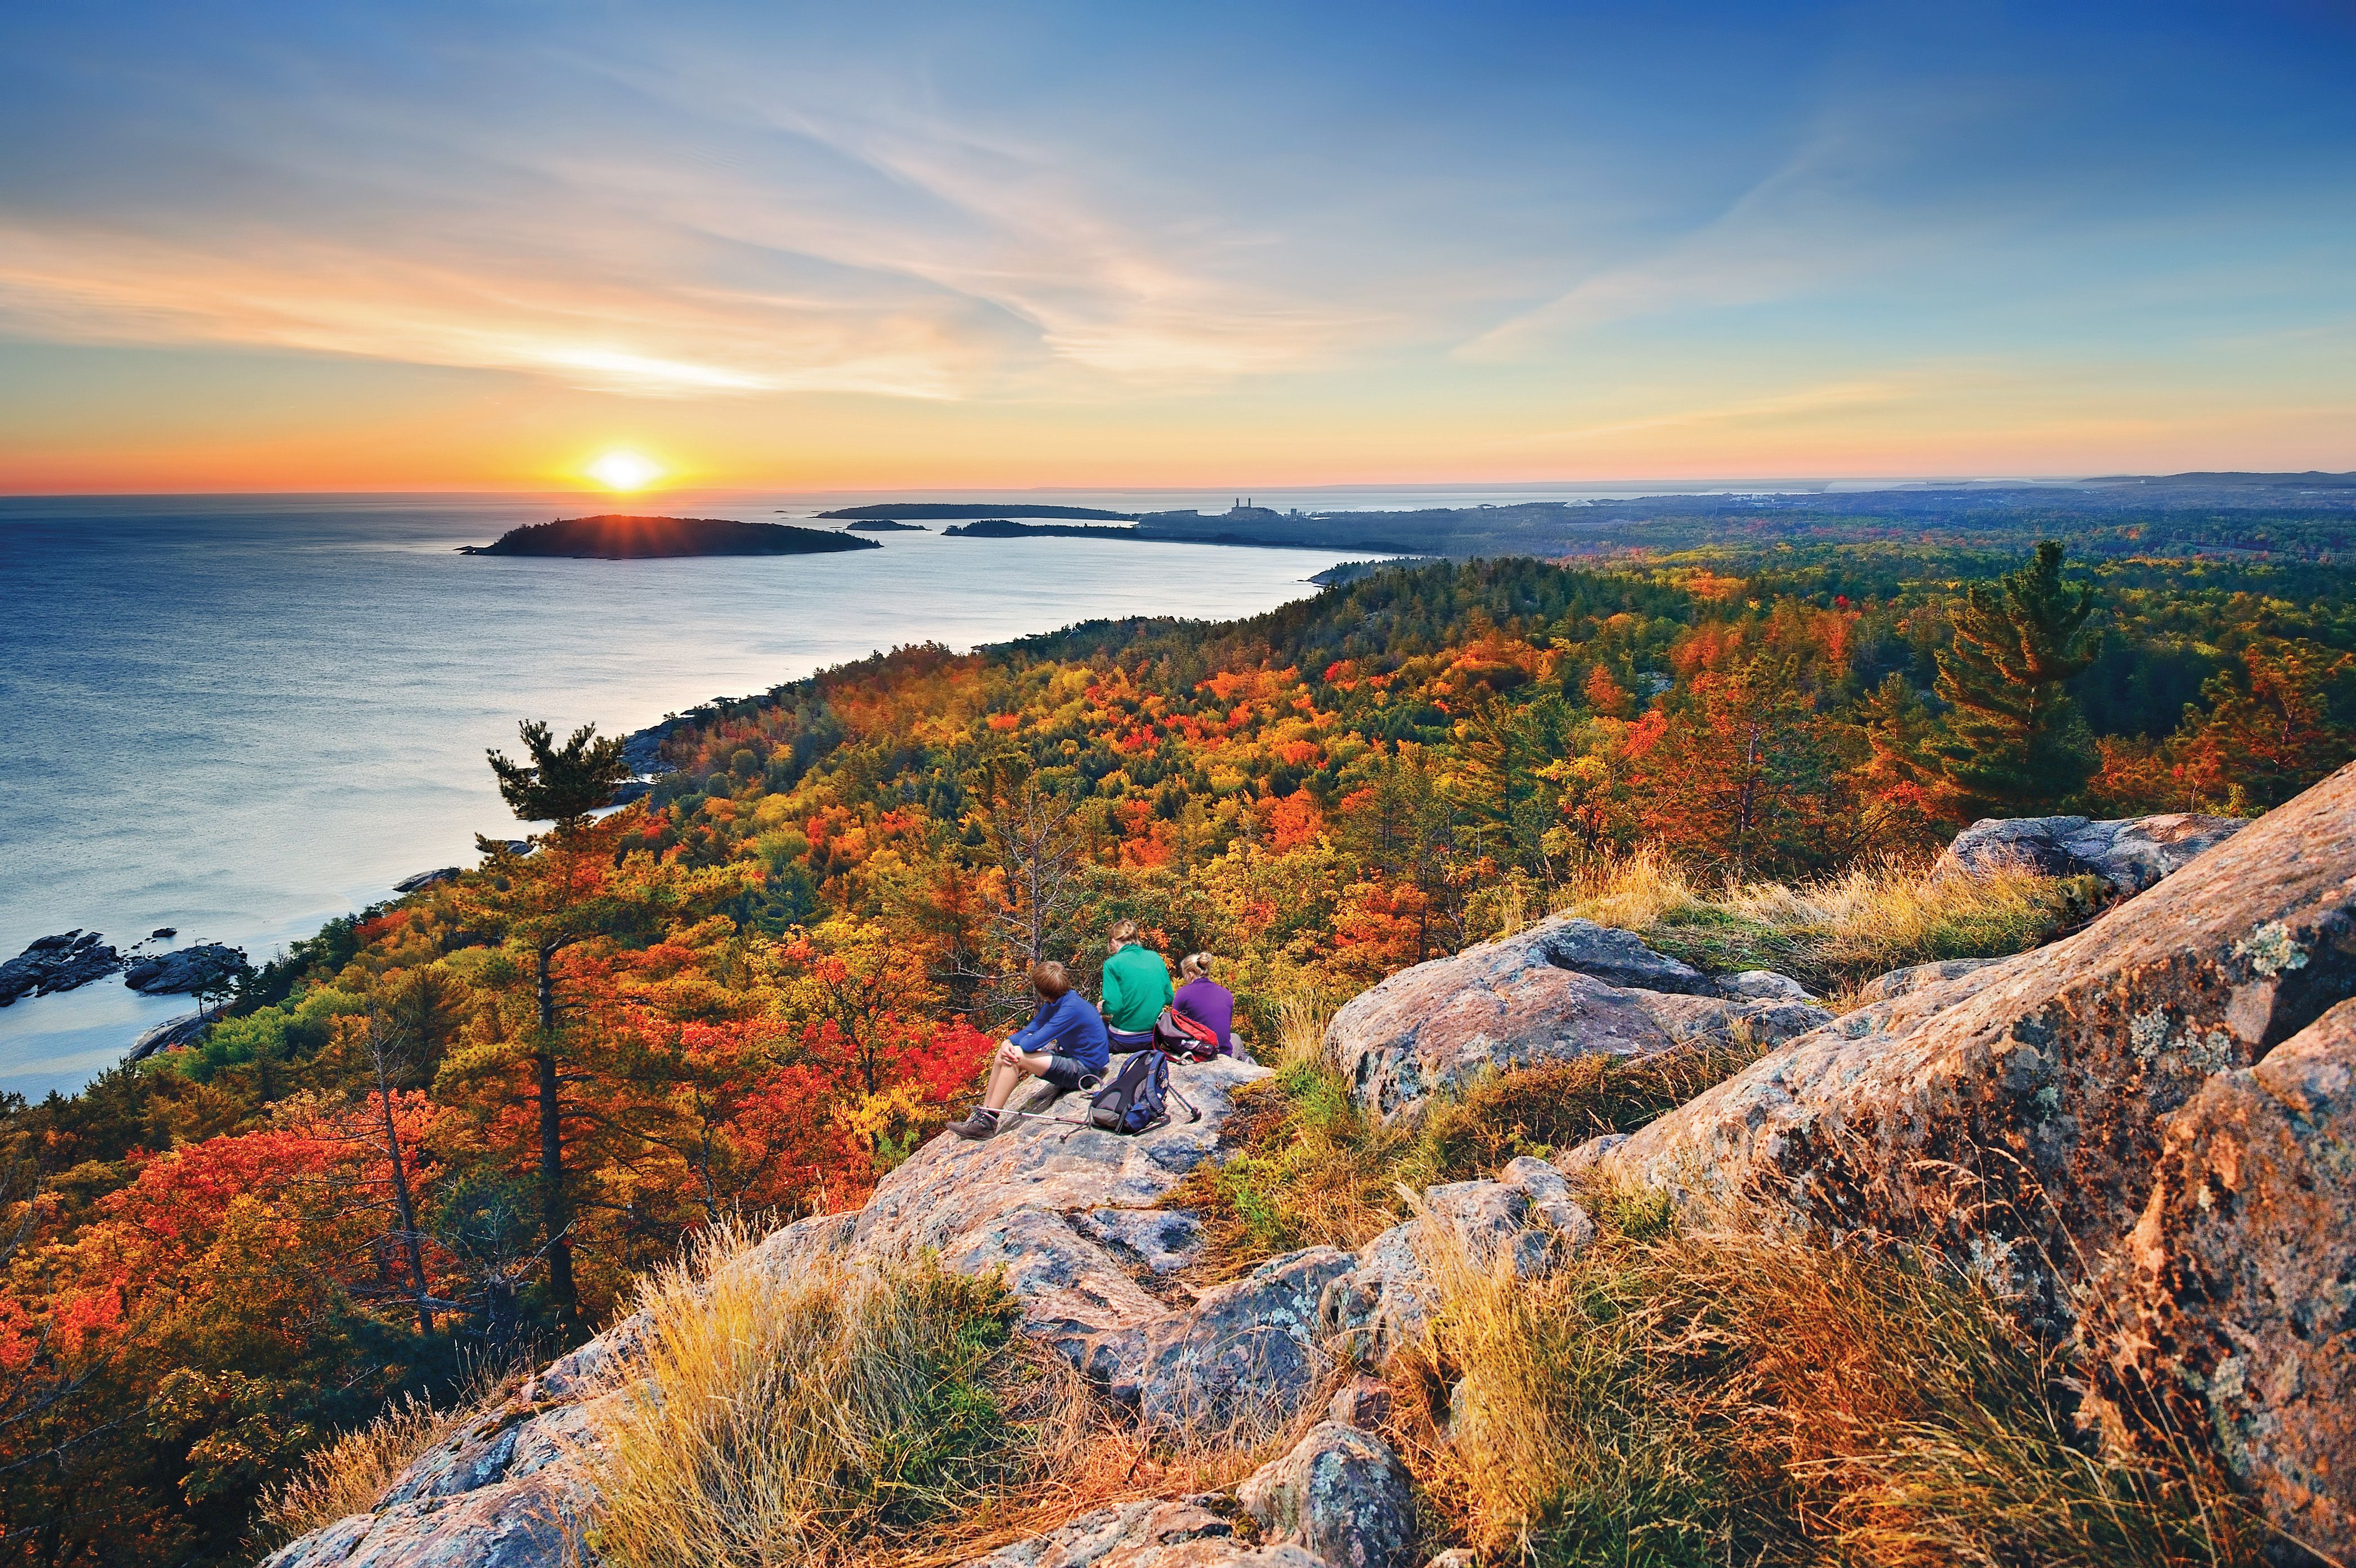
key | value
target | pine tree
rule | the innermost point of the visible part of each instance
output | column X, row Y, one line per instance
column 2015, row 742
column 564, row 785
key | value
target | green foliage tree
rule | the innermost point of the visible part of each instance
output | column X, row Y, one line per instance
column 2015, row 743
column 561, row 785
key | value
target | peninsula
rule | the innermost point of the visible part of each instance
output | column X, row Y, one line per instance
column 614, row 537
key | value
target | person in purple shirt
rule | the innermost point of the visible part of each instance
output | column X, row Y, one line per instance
column 1064, row 1043
column 1204, row 1000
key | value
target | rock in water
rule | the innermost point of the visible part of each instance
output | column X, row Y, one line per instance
column 2130, row 853
column 52, row 963
column 2105, row 1111
column 190, row 969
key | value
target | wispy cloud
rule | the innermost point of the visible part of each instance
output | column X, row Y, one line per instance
column 711, row 243
column 1821, row 219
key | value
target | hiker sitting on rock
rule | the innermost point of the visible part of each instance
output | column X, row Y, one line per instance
column 1136, row 989
column 1205, row 1001
column 1063, row 1043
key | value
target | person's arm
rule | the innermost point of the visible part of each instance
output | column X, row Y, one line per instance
column 1034, row 1035
column 1116, row 995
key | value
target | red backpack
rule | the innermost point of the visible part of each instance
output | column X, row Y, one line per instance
column 1190, row 1038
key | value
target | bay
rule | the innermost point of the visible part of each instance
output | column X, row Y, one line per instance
column 239, row 716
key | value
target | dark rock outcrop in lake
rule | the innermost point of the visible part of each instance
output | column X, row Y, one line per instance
column 190, row 969
column 53, row 963
column 616, row 536
column 425, row 879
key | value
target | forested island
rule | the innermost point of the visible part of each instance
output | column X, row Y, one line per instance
column 942, row 511
column 454, row 1130
column 617, row 537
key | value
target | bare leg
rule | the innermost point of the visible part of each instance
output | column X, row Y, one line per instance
column 1006, row 1073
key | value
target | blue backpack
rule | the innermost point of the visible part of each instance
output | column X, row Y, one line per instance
column 1138, row 1098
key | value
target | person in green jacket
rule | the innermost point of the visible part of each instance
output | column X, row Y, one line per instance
column 1136, row 989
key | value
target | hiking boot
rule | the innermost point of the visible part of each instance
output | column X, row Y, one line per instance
column 980, row 1123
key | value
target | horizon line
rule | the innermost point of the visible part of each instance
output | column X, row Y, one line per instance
column 1694, row 483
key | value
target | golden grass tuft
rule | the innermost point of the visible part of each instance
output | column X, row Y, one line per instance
column 847, row 1416
column 797, row 1419
column 1835, row 932
column 1701, row 1398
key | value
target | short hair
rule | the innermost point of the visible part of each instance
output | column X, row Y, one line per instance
column 1049, row 980
column 1195, row 964
column 1125, row 931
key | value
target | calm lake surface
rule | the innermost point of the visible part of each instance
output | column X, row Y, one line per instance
column 242, row 716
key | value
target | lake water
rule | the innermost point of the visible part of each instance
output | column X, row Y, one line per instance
column 242, row 716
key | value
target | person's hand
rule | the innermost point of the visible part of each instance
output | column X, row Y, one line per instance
column 1008, row 1053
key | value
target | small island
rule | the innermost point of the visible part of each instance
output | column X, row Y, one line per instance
column 614, row 537
column 885, row 526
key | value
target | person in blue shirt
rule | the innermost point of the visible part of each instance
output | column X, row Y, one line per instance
column 1064, row 1043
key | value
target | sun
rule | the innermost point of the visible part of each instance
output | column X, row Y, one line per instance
column 624, row 470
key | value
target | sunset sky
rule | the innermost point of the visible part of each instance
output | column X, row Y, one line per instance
column 481, row 245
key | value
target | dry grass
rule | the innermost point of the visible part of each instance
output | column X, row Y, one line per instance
column 351, row 1473
column 1833, row 933
column 848, row 1417
column 1691, row 1399
column 780, row 1420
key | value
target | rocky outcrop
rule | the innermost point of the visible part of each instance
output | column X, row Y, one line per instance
column 2235, row 1294
column 508, row 1491
column 1526, row 1223
column 1563, row 989
column 1182, row 1535
column 1237, row 1362
column 2148, row 1118
column 1342, row 1494
column 186, row 970
column 425, row 879
column 2129, row 853
column 53, row 963
column 168, row 1035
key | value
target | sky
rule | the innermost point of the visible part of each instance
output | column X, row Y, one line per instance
column 319, row 246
